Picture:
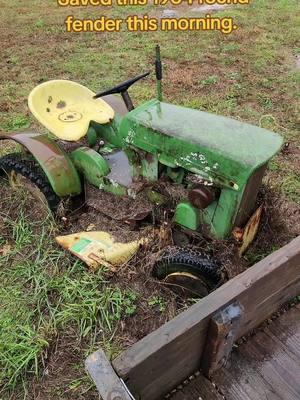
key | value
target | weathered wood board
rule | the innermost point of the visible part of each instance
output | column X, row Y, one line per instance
column 199, row 388
column 267, row 366
column 220, row 338
column 159, row 362
column 108, row 383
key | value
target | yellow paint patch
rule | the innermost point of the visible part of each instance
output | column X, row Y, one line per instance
column 99, row 248
column 66, row 108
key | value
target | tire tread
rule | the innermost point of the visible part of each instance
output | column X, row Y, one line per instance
column 30, row 170
column 190, row 260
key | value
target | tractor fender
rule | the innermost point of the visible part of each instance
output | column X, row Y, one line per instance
column 54, row 161
column 90, row 164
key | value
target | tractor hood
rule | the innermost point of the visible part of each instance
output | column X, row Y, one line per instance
column 225, row 150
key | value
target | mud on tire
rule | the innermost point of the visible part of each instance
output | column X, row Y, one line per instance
column 30, row 170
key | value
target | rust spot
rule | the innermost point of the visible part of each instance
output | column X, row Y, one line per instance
column 61, row 104
column 50, row 99
column 247, row 235
column 238, row 234
column 149, row 157
column 48, row 110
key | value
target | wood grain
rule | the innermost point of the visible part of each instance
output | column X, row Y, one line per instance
column 266, row 367
column 203, row 390
column 220, row 338
column 108, row 383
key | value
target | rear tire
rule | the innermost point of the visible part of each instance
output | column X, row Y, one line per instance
column 195, row 272
column 16, row 164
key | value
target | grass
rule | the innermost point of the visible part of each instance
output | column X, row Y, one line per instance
column 249, row 75
column 15, row 122
column 256, row 256
column 53, row 293
column 158, row 302
column 211, row 80
column 291, row 187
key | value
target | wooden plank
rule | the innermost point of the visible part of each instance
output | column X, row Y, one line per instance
column 266, row 367
column 220, row 338
column 287, row 329
column 108, row 383
column 275, row 366
column 240, row 380
column 163, row 359
column 199, row 388
column 276, row 356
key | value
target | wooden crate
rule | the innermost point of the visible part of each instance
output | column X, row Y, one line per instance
column 203, row 335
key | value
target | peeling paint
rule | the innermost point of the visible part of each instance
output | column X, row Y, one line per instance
column 130, row 137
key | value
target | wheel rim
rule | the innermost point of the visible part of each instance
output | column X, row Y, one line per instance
column 187, row 284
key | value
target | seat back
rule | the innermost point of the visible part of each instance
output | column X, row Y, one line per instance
column 66, row 108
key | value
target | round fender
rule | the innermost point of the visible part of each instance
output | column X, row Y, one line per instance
column 54, row 161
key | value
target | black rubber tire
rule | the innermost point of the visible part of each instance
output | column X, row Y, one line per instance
column 184, row 259
column 30, row 170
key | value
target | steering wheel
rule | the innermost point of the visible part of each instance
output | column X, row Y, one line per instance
column 122, row 87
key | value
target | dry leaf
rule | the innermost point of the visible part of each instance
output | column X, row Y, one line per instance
column 5, row 250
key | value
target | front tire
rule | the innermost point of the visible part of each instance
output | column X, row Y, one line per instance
column 33, row 177
column 188, row 270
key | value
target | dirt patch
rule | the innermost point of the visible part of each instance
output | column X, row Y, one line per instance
column 90, row 219
column 298, row 62
column 280, row 224
column 290, row 155
column 62, row 373
column 137, row 276
column 123, row 208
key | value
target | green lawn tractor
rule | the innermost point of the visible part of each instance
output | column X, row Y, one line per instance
column 124, row 150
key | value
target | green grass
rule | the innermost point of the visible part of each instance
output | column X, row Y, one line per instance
column 158, row 303
column 211, row 80
column 255, row 256
column 15, row 122
column 44, row 291
column 291, row 187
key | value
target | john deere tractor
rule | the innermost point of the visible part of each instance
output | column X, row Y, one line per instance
column 125, row 150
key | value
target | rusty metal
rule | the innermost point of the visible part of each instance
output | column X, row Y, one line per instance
column 187, row 285
column 246, row 235
column 56, row 164
column 201, row 197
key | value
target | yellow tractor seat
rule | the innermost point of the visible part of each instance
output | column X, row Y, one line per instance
column 66, row 108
